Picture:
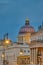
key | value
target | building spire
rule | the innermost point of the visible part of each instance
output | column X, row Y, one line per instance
column 6, row 36
column 27, row 21
column 42, row 23
column 41, row 26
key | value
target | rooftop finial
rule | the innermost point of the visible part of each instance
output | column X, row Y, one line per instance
column 27, row 21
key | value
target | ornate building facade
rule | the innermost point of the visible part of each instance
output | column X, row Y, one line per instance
column 15, row 54
column 18, row 53
column 36, row 47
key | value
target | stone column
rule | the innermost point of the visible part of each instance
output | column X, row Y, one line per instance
column 33, row 55
column 36, row 55
column 30, row 55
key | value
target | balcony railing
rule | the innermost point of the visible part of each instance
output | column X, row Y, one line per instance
column 36, row 41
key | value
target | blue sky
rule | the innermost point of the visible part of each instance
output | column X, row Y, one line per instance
column 13, row 14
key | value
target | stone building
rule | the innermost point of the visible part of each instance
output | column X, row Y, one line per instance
column 18, row 53
column 36, row 47
column 15, row 54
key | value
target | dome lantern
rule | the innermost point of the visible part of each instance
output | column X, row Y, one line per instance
column 27, row 22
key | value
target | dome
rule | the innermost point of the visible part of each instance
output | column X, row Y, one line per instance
column 26, row 28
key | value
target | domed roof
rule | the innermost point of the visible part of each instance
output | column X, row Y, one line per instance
column 26, row 28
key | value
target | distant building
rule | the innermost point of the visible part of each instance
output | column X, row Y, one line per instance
column 36, row 47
